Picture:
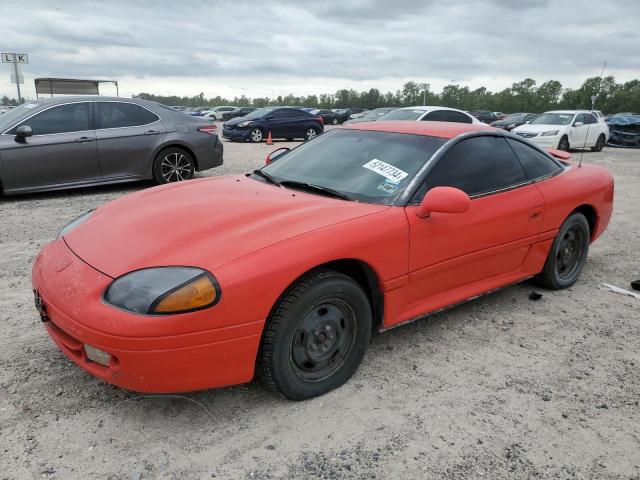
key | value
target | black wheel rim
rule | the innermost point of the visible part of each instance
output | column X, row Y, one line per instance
column 323, row 340
column 570, row 252
column 600, row 143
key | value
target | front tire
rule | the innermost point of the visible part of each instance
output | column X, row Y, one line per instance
column 334, row 121
column 563, row 144
column 567, row 255
column 173, row 165
column 310, row 134
column 316, row 337
column 256, row 135
column 599, row 143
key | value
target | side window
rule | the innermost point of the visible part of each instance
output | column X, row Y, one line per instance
column 282, row 113
column 118, row 115
column 295, row 113
column 534, row 163
column 457, row 117
column 589, row 118
column 73, row 117
column 580, row 118
column 477, row 165
column 436, row 116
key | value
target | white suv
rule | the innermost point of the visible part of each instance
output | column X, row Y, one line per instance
column 566, row 129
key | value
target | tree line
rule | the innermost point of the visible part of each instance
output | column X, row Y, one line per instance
column 524, row 96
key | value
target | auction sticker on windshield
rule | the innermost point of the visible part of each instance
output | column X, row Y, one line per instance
column 391, row 173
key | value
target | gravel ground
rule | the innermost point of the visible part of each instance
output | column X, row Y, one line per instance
column 502, row 387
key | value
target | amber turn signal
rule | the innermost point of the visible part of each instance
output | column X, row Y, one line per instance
column 198, row 293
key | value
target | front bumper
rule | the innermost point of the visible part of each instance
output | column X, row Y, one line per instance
column 235, row 133
column 546, row 141
column 70, row 291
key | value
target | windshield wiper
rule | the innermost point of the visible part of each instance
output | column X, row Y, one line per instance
column 267, row 177
column 315, row 188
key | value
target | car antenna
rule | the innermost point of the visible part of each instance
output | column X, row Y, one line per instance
column 593, row 104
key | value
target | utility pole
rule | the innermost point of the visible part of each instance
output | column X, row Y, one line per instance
column 15, row 68
column 425, row 86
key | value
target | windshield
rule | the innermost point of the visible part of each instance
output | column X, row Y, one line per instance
column 403, row 114
column 367, row 166
column 9, row 118
column 552, row 119
column 259, row 113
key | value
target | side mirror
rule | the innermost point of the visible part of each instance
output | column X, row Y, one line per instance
column 578, row 124
column 276, row 154
column 24, row 131
column 444, row 200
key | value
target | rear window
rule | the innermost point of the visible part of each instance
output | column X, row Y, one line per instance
column 120, row 114
column 534, row 163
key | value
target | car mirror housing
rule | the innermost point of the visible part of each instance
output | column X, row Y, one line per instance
column 276, row 154
column 444, row 200
column 578, row 124
column 24, row 131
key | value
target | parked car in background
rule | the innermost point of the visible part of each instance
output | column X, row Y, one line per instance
column 513, row 120
column 344, row 113
column 80, row 141
column 484, row 115
column 431, row 113
column 566, row 129
column 371, row 115
column 329, row 117
column 499, row 115
column 217, row 112
column 361, row 114
column 281, row 122
column 237, row 112
column 624, row 130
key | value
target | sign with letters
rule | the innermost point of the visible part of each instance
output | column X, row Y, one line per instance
column 15, row 58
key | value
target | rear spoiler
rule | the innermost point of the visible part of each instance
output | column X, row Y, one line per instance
column 560, row 154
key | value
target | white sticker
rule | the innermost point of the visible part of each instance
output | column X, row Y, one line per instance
column 391, row 173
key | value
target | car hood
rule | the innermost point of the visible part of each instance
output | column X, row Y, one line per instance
column 537, row 128
column 237, row 120
column 204, row 223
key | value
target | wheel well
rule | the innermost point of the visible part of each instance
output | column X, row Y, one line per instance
column 590, row 214
column 363, row 275
column 181, row 147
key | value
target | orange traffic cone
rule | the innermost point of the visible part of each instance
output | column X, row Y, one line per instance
column 269, row 140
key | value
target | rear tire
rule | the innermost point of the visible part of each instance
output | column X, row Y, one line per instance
column 563, row 144
column 334, row 121
column 173, row 164
column 316, row 336
column 599, row 143
column 567, row 255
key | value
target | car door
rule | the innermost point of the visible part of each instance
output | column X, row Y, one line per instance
column 278, row 123
column 578, row 133
column 62, row 149
column 593, row 130
column 452, row 253
column 128, row 136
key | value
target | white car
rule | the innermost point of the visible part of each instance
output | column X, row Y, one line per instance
column 566, row 129
column 216, row 112
column 434, row 114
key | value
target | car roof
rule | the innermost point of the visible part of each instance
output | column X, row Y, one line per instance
column 569, row 111
column 427, row 108
column 431, row 129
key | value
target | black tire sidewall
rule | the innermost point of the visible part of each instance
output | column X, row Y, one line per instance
column 564, row 139
column 550, row 270
column 284, row 376
column 157, row 174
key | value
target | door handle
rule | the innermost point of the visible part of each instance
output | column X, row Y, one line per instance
column 152, row 132
column 536, row 212
column 85, row 139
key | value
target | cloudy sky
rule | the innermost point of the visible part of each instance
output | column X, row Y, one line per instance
column 275, row 47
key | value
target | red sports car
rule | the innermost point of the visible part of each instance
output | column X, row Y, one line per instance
column 287, row 271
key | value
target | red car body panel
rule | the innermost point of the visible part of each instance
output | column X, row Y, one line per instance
column 257, row 239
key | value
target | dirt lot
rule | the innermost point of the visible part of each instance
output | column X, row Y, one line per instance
column 502, row 387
